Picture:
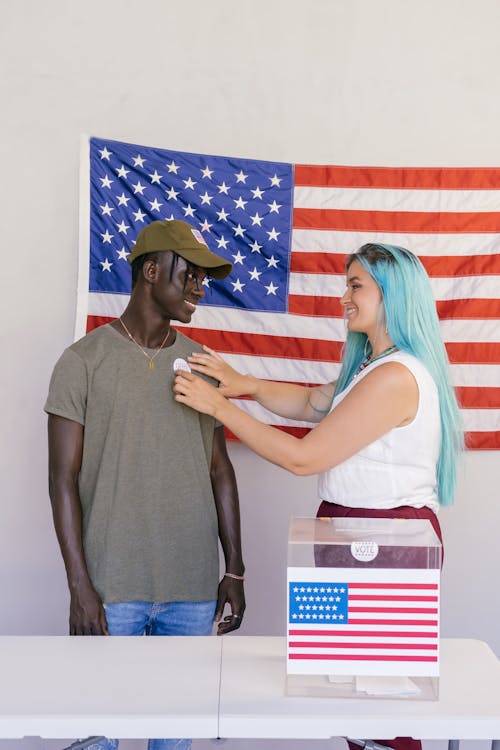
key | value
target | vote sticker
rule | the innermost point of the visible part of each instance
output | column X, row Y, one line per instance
column 364, row 551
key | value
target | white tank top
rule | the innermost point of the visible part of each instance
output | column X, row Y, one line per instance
column 400, row 467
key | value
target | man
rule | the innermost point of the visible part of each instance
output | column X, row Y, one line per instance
column 142, row 487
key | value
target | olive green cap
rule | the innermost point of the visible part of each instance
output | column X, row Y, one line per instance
column 183, row 239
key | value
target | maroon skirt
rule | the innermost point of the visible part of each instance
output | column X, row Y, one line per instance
column 334, row 510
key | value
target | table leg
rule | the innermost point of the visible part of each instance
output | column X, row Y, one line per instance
column 372, row 745
column 82, row 744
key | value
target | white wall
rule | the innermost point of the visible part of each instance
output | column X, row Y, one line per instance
column 376, row 82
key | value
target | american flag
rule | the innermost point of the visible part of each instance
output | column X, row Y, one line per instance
column 287, row 229
column 363, row 622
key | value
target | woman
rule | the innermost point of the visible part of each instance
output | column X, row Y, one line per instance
column 388, row 430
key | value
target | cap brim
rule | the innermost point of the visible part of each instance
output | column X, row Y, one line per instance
column 201, row 256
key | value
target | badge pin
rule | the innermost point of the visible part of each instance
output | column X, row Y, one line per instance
column 181, row 364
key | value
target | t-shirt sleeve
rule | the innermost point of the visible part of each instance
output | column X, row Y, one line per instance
column 68, row 388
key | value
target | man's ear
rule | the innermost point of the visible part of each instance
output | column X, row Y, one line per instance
column 150, row 270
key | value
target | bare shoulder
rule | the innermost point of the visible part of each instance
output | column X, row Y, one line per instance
column 389, row 377
column 389, row 394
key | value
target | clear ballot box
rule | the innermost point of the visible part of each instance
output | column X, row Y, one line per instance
column 363, row 608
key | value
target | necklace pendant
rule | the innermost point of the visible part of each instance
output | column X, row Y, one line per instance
column 151, row 364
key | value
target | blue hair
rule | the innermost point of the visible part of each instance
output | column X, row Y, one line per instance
column 413, row 325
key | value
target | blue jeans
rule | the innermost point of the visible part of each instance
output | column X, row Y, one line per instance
column 164, row 618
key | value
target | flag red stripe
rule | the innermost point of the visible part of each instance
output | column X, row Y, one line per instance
column 453, row 309
column 478, row 398
column 405, row 222
column 362, row 633
column 472, row 352
column 400, row 178
column 443, row 266
column 322, row 307
column 94, row 321
column 297, row 432
column 483, row 441
column 332, row 263
column 252, row 343
column 371, row 585
column 362, row 657
column 438, row 267
column 467, row 309
column 264, row 345
column 327, row 644
column 389, row 598
column 400, row 610
column 327, row 351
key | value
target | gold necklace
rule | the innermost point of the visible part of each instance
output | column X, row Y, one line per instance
column 151, row 359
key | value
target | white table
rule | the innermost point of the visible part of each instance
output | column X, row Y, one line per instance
column 253, row 703
column 57, row 687
column 61, row 686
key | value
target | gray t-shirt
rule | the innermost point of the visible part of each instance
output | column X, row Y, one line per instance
column 149, row 519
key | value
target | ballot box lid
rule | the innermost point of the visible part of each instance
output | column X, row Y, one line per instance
column 363, row 542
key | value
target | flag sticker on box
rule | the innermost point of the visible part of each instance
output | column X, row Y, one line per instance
column 363, row 622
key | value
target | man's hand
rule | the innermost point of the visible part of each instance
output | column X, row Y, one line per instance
column 86, row 614
column 231, row 592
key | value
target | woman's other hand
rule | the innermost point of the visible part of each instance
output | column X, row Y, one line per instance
column 232, row 383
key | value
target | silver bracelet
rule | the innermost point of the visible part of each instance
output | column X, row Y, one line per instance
column 233, row 575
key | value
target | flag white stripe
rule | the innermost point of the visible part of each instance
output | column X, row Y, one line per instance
column 391, row 199
column 432, row 245
column 366, row 667
column 301, row 575
column 390, row 590
column 481, row 420
column 263, row 415
column 458, row 287
column 304, row 371
column 291, row 370
column 470, row 330
column 371, row 630
column 107, row 304
column 400, row 652
column 466, row 287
